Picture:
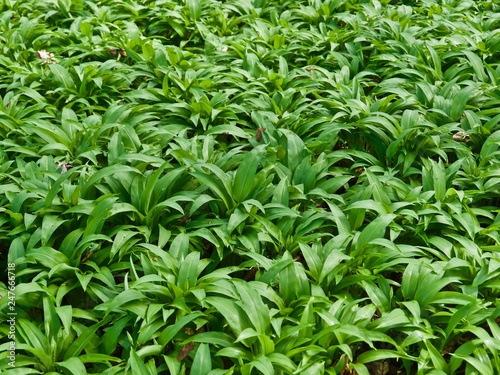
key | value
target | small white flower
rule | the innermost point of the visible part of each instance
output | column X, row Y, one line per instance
column 64, row 166
column 47, row 57
column 461, row 137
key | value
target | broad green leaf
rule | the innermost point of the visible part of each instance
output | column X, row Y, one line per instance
column 110, row 338
column 436, row 357
column 105, row 172
column 216, row 186
column 136, row 363
column 245, row 175
column 32, row 335
column 376, row 229
column 312, row 259
column 252, row 64
column 202, row 362
column 179, row 248
column 477, row 65
column 62, row 76
column 281, row 361
column 98, row 358
column 74, row 365
column 293, row 283
column 228, row 129
column 232, row 313
column 123, row 298
column 47, row 256
column 213, row 338
column 295, row 149
column 147, row 199
column 84, row 339
column 263, row 364
column 253, row 306
column 99, row 214
column 16, row 250
column 270, row 274
column 236, row 218
column 379, row 194
column 56, row 186
column 169, row 332
column 50, row 223
column 459, row 316
column 235, row 352
column 51, row 319
column 380, row 355
column 460, row 101
column 188, row 271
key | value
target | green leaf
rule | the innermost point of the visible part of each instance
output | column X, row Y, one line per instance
column 252, row 64
column 235, row 352
column 380, row 355
column 189, row 271
column 376, row 229
column 436, row 357
column 179, row 248
column 136, row 364
column 270, row 274
column 194, row 8
column 228, row 129
column 253, row 306
column 439, row 178
column 98, row 358
column 51, row 319
column 213, row 338
column 460, row 101
column 105, row 172
column 99, row 214
column 245, row 174
column 16, row 250
column 47, row 256
column 147, row 200
column 169, row 332
column 110, row 338
column 263, row 364
column 32, row 335
column 295, row 149
column 54, row 190
column 121, row 299
column 74, row 366
column 62, row 76
column 379, row 194
column 293, row 283
column 84, row 339
column 217, row 186
column 477, row 65
column 312, row 259
column 202, row 362
column 232, row 313
column 236, row 218
column 50, row 223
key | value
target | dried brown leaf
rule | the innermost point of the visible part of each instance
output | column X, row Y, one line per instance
column 185, row 350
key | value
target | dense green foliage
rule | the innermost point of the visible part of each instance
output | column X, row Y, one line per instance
column 250, row 186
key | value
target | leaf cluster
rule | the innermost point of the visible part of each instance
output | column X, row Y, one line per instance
column 250, row 187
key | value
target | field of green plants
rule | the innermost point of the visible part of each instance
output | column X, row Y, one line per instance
column 212, row 187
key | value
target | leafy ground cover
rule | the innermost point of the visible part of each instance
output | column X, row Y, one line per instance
column 250, row 186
